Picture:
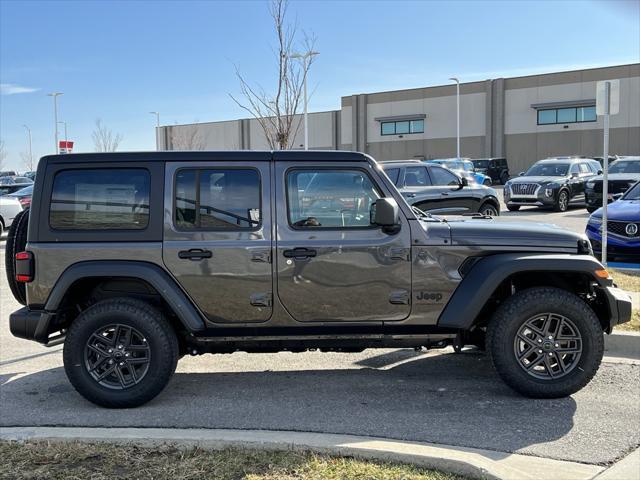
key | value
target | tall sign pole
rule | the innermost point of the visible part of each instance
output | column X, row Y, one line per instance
column 607, row 104
column 605, row 173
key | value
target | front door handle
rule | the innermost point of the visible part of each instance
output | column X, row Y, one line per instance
column 300, row 253
column 444, row 194
column 410, row 195
column 194, row 254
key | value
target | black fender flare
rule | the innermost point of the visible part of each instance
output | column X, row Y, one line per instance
column 489, row 272
column 154, row 275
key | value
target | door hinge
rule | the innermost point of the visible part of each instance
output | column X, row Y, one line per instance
column 399, row 253
column 399, row 297
column 261, row 257
column 260, row 299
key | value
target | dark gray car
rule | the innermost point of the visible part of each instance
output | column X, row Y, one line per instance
column 438, row 190
column 134, row 260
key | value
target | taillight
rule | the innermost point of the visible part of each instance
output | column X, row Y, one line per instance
column 25, row 202
column 24, row 267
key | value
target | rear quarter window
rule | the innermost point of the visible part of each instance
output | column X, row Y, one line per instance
column 100, row 199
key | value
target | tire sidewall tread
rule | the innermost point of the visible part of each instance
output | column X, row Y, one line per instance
column 510, row 316
column 149, row 321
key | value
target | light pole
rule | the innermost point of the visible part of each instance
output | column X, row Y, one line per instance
column 65, row 133
column 457, row 115
column 30, row 148
column 55, row 96
column 157, row 114
column 306, row 58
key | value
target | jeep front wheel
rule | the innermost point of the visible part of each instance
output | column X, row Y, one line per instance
column 545, row 342
column 120, row 353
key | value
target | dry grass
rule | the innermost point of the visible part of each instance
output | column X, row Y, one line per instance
column 75, row 460
column 631, row 283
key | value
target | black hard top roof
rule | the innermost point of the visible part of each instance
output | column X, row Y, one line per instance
column 198, row 155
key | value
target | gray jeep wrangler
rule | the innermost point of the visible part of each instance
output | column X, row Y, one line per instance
column 136, row 259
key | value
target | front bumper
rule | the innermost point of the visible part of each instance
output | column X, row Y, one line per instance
column 540, row 199
column 619, row 306
column 33, row 325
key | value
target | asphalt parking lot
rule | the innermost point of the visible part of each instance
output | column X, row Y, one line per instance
column 437, row 396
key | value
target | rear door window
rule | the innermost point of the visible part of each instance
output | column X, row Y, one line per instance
column 100, row 199
column 416, row 177
column 217, row 199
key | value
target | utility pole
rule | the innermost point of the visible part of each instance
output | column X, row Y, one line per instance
column 55, row 96
column 306, row 58
column 457, row 115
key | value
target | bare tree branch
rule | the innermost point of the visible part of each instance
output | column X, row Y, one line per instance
column 27, row 161
column 276, row 112
column 3, row 153
column 105, row 140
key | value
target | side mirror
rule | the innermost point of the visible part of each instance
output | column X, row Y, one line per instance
column 464, row 182
column 575, row 175
column 600, row 172
column 386, row 214
column 521, row 174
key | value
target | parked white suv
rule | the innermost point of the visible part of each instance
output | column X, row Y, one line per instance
column 9, row 208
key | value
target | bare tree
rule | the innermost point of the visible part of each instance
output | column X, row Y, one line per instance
column 275, row 112
column 186, row 138
column 104, row 140
column 3, row 153
column 27, row 161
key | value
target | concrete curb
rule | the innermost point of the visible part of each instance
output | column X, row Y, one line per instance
column 470, row 462
column 626, row 469
column 622, row 344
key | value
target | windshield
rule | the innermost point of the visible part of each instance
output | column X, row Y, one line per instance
column 548, row 170
column 625, row 166
column 481, row 163
column 633, row 193
column 468, row 166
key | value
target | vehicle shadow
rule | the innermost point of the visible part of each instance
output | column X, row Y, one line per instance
column 449, row 399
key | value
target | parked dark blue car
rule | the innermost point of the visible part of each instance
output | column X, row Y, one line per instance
column 623, row 226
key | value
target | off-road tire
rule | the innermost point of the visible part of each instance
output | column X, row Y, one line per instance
column 16, row 242
column 515, row 311
column 562, row 206
column 158, row 333
column 488, row 206
column 513, row 208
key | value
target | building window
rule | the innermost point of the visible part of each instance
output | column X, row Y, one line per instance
column 402, row 127
column 567, row 115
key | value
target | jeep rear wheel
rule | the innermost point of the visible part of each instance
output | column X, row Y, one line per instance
column 545, row 342
column 120, row 353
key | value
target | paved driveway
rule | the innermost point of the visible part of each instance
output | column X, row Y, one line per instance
column 437, row 397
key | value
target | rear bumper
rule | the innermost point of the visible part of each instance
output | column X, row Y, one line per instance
column 33, row 325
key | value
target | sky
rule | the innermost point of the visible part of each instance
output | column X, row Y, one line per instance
column 119, row 60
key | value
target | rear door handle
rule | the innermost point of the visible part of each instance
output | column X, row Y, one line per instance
column 300, row 253
column 194, row 254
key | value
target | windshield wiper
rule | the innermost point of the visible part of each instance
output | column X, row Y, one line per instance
column 422, row 214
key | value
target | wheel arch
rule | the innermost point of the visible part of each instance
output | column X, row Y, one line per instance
column 496, row 277
column 104, row 279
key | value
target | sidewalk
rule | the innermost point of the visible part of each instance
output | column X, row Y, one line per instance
column 470, row 462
